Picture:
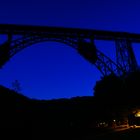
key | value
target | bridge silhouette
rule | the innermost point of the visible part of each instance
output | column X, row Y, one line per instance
column 83, row 40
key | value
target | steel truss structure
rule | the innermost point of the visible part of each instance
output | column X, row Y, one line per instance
column 83, row 40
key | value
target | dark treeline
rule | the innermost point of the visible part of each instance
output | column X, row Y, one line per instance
column 125, row 90
column 115, row 98
column 44, row 117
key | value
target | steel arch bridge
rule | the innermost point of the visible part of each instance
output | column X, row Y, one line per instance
column 83, row 40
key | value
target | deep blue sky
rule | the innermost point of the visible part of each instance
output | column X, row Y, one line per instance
column 53, row 70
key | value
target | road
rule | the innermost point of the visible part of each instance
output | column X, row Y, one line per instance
column 117, row 134
column 122, row 134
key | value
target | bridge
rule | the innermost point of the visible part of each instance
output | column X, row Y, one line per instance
column 83, row 40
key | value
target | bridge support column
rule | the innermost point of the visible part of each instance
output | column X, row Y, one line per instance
column 125, row 56
column 5, row 50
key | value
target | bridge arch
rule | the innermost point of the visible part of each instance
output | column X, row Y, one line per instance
column 103, row 63
column 44, row 76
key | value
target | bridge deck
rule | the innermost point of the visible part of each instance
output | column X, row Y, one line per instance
column 85, row 33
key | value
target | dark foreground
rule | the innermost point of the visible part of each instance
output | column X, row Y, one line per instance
column 129, row 134
column 75, row 119
column 42, row 134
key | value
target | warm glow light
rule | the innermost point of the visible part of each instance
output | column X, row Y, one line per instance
column 137, row 114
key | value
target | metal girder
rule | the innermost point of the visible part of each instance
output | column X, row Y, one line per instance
column 30, row 35
column 69, row 32
column 125, row 56
column 102, row 62
column 107, row 66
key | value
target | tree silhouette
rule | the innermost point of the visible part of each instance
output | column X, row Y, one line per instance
column 16, row 86
column 108, row 87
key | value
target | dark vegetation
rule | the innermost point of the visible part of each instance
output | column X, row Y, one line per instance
column 115, row 98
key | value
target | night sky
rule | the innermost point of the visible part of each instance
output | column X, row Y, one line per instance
column 51, row 70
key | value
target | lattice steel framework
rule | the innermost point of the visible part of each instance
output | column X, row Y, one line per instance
column 125, row 56
column 20, row 37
